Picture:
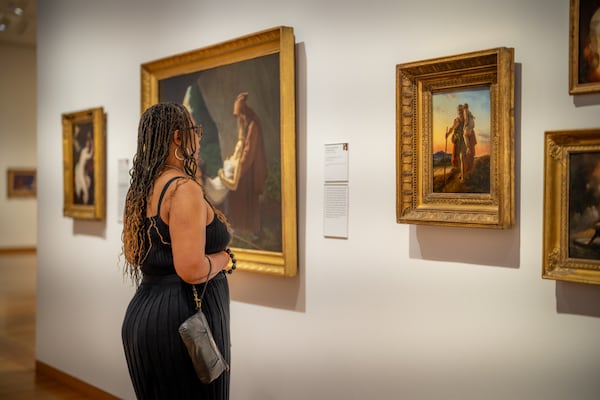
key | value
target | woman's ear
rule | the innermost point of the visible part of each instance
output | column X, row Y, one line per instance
column 177, row 137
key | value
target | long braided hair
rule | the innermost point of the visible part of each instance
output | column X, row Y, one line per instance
column 155, row 133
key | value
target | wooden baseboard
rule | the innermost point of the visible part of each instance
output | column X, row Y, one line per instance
column 17, row 250
column 91, row 392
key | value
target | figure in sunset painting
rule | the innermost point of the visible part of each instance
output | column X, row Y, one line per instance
column 461, row 152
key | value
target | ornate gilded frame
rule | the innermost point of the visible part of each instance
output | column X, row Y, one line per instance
column 84, row 130
column 570, row 250
column 581, row 12
column 21, row 182
column 416, row 85
column 229, row 56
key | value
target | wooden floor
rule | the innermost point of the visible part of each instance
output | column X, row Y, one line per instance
column 18, row 379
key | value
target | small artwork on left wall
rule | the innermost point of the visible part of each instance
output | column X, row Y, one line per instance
column 21, row 182
column 84, row 164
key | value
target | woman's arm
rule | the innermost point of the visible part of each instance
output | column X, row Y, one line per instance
column 188, row 217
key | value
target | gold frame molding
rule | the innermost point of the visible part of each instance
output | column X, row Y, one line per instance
column 577, row 37
column 416, row 83
column 12, row 190
column 95, row 209
column 276, row 40
column 560, row 260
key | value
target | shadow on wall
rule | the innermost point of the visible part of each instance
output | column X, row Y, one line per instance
column 480, row 246
column 585, row 100
column 268, row 291
column 89, row 228
column 578, row 298
column 274, row 291
column 498, row 248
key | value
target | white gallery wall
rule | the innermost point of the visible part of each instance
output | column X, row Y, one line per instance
column 18, row 216
column 393, row 312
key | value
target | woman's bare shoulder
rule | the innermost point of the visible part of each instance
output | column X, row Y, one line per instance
column 187, row 190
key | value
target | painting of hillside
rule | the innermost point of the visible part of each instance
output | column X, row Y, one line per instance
column 446, row 179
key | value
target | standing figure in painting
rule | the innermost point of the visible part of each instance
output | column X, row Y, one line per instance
column 591, row 51
column 459, row 148
column 245, row 172
column 469, row 137
column 83, row 179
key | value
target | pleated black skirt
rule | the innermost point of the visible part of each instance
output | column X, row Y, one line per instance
column 158, row 362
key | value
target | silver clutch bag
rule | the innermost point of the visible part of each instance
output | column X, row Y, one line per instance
column 206, row 357
column 197, row 337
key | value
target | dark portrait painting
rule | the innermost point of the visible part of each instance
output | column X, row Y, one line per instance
column 589, row 41
column 238, row 105
column 83, row 163
column 584, row 205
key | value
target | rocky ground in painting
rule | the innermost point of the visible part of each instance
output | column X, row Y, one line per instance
column 476, row 181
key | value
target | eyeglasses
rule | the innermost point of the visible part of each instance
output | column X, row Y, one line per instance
column 197, row 129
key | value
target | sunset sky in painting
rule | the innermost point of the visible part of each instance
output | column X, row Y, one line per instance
column 444, row 112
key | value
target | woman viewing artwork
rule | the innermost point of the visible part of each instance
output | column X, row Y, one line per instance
column 173, row 238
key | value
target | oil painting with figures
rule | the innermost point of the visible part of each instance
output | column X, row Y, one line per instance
column 455, row 140
column 238, row 108
column 242, row 93
column 461, row 141
column 584, row 205
column 84, row 164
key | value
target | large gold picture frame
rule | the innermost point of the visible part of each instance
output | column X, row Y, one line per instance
column 453, row 171
column 571, row 250
column 257, row 70
column 84, row 164
column 584, row 46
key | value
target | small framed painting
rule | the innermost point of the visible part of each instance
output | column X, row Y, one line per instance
column 21, row 182
column 84, row 164
column 454, row 140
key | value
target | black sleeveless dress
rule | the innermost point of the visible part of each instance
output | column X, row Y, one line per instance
column 158, row 362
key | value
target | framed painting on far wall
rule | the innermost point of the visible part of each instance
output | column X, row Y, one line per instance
column 242, row 92
column 84, row 164
column 571, row 250
column 584, row 47
column 21, row 182
column 454, row 140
